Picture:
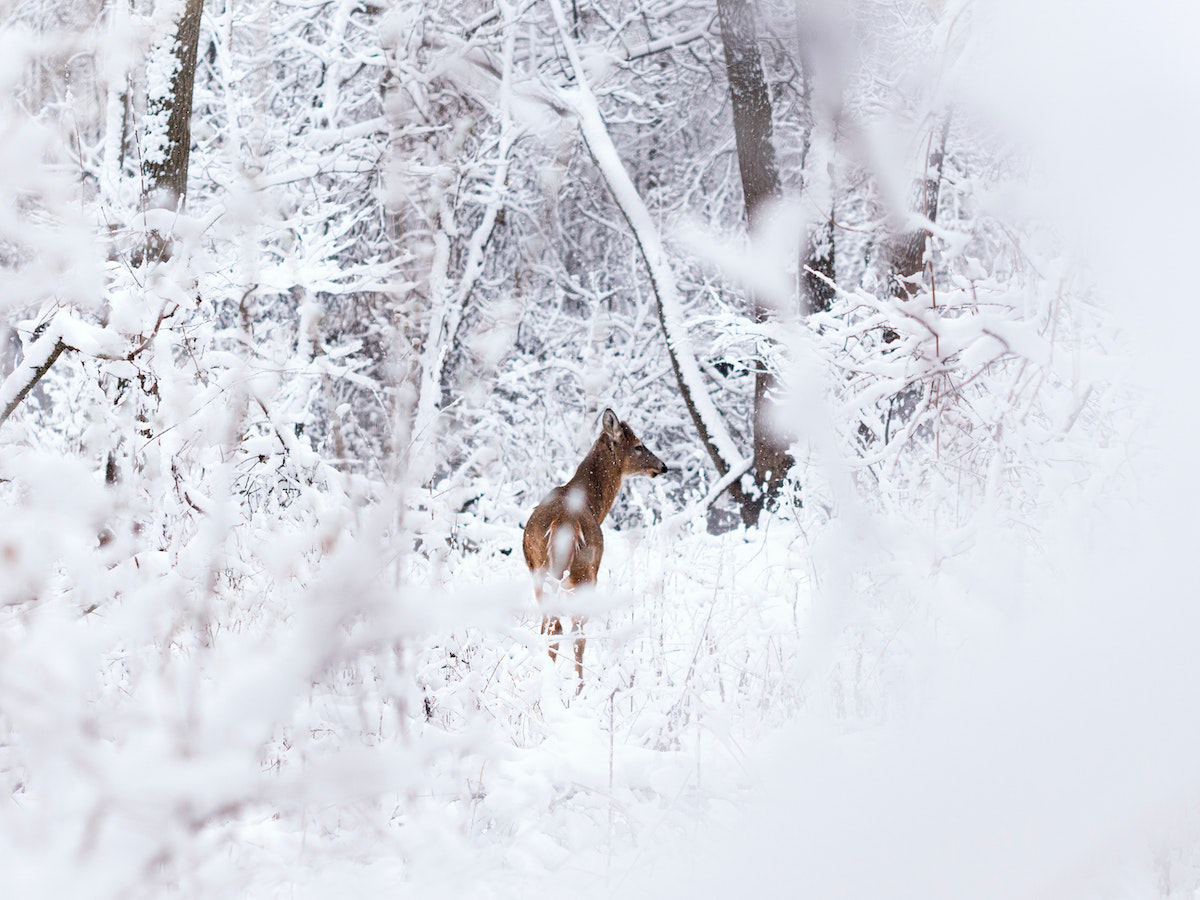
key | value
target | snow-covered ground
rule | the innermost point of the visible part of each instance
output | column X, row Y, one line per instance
column 241, row 656
column 524, row 782
column 455, row 760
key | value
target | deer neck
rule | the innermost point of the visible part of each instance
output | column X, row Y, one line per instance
column 599, row 479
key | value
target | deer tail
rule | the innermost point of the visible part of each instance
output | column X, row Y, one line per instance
column 564, row 539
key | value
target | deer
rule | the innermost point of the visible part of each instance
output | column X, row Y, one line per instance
column 563, row 541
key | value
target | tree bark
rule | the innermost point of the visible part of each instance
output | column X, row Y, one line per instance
column 819, row 269
column 905, row 255
column 906, row 251
column 750, row 100
column 166, row 172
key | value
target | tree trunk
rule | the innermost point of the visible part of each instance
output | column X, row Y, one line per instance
column 906, row 251
column 905, row 255
column 819, row 269
column 750, row 99
column 751, row 102
column 166, row 168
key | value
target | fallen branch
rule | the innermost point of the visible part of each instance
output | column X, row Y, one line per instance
column 669, row 43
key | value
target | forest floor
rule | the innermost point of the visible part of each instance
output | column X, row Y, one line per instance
column 525, row 785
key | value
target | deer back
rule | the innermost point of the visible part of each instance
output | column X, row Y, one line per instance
column 563, row 534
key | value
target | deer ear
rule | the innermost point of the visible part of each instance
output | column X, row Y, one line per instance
column 611, row 425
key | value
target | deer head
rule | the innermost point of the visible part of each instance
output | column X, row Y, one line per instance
column 630, row 452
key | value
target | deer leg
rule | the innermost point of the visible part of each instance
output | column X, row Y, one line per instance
column 539, row 583
column 549, row 623
column 554, row 627
column 580, row 641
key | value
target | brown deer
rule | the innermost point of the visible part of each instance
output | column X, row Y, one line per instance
column 563, row 540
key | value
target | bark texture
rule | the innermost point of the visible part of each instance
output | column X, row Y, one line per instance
column 166, row 177
column 750, row 99
column 819, row 269
column 906, row 251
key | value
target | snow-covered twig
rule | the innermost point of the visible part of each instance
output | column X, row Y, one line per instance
column 448, row 311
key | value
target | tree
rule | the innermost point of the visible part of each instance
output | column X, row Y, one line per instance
column 705, row 416
column 169, row 112
column 750, row 99
column 905, row 252
column 904, row 256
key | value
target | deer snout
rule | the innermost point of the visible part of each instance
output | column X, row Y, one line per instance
column 662, row 469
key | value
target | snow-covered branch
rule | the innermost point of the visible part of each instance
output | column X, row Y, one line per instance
column 447, row 309
column 38, row 359
column 63, row 332
column 707, row 419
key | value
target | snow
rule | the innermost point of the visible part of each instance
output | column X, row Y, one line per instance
column 265, row 625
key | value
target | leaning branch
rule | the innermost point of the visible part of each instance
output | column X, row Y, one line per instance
column 709, row 425
column 65, row 332
column 724, row 483
column 29, row 371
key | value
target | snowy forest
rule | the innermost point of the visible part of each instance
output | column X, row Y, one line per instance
column 305, row 305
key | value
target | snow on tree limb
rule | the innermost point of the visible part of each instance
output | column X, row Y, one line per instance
column 660, row 45
column 65, row 332
column 448, row 308
column 711, row 427
column 37, row 362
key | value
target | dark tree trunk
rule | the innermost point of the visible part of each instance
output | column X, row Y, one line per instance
column 906, row 251
column 751, row 102
column 166, row 177
column 905, row 257
column 819, row 269
column 750, row 99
